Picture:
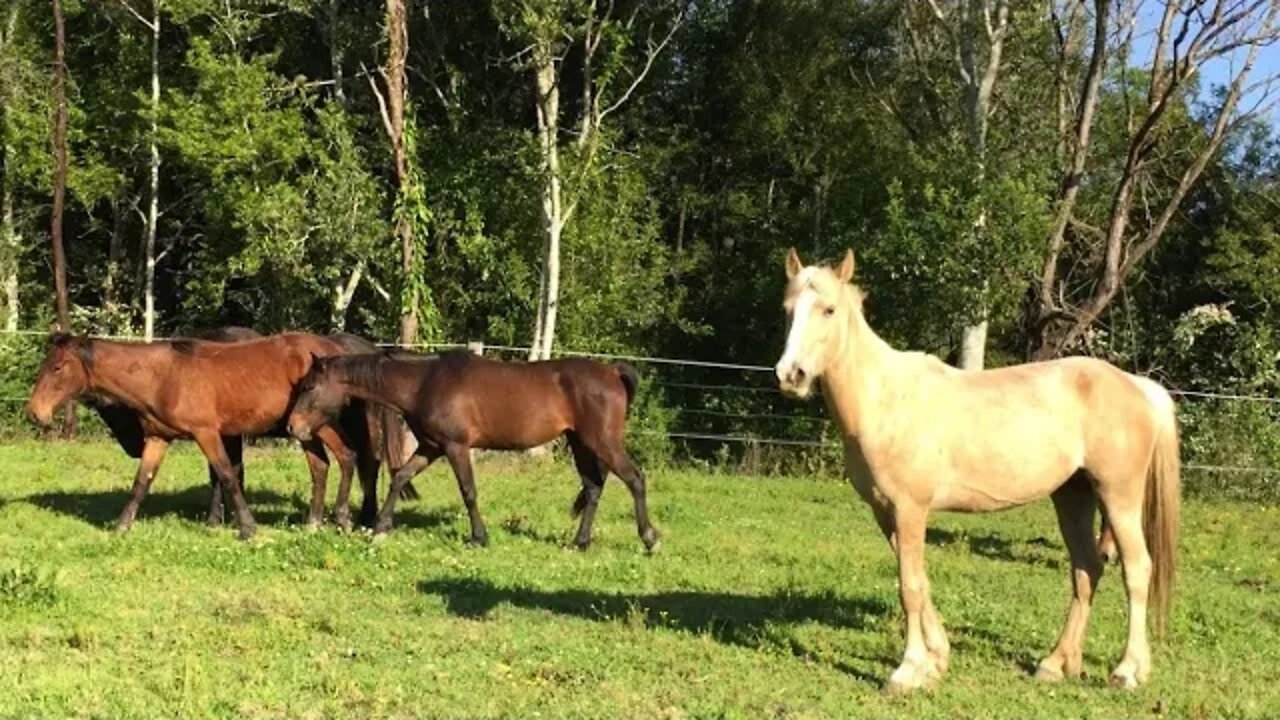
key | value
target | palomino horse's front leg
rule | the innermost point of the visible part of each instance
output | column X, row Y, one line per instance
column 935, row 635
column 1075, row 503
column 152, row 454
column 918, row 668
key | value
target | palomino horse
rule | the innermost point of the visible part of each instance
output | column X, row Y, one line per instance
column 209, row 392
column 920, row 435
column 456, row 401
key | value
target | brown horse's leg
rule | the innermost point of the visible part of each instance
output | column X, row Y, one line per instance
column 592, row 472
column 368, row 467
column 211, row 445
column 460, row 458
column 337, row 444
column 235, row 450
column 152, row 454
column 318, row 466
column 417, row 462
column 618, row 462
column 1075, row 503
column 916, row 669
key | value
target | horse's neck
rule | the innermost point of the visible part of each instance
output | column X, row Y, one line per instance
column 124, row 372
column 390, row 392
column 855, row 384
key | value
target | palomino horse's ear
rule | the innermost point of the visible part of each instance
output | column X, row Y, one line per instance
column 794, row 266
column 845, row 271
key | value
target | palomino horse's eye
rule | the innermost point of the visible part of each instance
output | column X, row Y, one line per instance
column 831, row 310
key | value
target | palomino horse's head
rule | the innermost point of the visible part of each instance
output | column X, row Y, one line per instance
column 64, row 374
column 320, row 399
column 818, row 302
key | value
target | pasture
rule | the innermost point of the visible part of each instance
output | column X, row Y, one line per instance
column 770, row 598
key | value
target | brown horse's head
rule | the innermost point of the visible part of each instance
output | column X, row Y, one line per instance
column 64, row 374
column 320, row 398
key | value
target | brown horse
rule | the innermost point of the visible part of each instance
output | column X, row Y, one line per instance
column 922, row 436
column 457, row 401
column 208, row 392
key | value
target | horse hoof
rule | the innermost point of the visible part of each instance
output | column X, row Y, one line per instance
column 580, row 545
column 1048, row 673
column 122, row 528
column 478, row 542
column 654, row 548
column 311, row 527
column 247, row 532
column 1124, row 680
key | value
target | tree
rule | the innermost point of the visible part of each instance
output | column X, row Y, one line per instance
column 551, row 28
column 1152, row 106
column 153, row 186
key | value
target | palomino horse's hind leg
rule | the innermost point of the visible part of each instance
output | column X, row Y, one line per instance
column 460, row 458
column 917, row 669
column 216, row 454
column 152, row 454
column 1126, row 522
column 935, row 635
column 592, row 473
column 1075, row 503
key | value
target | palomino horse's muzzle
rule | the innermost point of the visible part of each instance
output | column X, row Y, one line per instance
column 793, row 380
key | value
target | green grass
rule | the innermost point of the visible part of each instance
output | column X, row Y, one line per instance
column 771, row 598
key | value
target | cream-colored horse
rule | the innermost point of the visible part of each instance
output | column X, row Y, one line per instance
column 920, row 435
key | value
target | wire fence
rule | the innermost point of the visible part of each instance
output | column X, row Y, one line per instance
column 743, row 425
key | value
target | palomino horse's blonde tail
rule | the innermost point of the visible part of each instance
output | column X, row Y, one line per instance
column 1160, row 517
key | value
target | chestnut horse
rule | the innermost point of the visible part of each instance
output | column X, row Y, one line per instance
column 210, row 392
column 457, row 401
column 920, row 435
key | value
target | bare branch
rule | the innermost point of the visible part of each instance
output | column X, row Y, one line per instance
column 145, row 22
column 651, row 56
column 382, row 103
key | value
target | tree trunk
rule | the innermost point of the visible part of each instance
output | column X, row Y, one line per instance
column 343, row 294
column 11, row 248
column 153, row 200
column 10, row 244
column 398, row 49
column 60, row 188
column 548, row 111
column 336, row 55
column 115, row 253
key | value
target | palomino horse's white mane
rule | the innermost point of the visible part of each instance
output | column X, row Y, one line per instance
column 921, row 436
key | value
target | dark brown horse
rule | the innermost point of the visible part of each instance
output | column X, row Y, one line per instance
column 456, row 401
column 210, row 392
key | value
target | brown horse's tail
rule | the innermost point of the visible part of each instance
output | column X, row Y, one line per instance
column 630, row 380
column 1160, row 515
column 393, row 447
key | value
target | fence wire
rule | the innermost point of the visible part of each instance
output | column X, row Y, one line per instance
column 707, row 435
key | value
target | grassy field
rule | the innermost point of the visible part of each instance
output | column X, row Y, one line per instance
column 771, row 598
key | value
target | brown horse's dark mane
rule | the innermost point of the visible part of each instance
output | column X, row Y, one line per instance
column 81, row 346
column 366, row 369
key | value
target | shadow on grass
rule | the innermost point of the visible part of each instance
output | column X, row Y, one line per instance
column 103, row 508
column 744, row 620
column 994, row 547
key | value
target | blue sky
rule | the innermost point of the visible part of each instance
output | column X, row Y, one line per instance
column 1218, row 71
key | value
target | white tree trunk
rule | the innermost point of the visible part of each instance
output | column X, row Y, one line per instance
column 10, row 244
column 548, row 107
column 9, row 253
column 153, row 204
column 343, row 293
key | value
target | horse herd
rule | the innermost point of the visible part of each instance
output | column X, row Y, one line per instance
column 918, row 436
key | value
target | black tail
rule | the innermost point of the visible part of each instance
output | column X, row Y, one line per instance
column 630, row 380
